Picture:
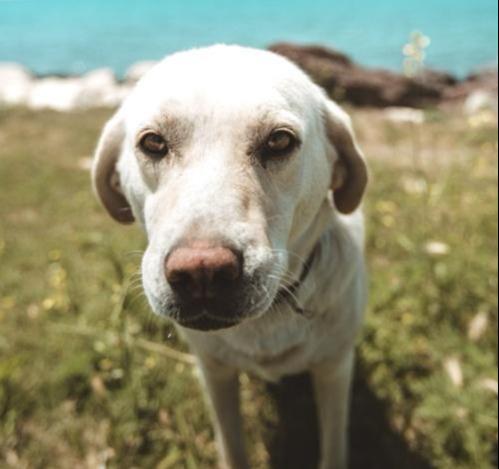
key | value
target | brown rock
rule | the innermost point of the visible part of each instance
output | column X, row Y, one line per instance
column 347, row 81
column 485, row 81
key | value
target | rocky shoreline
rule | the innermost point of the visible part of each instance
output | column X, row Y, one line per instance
column 347, row 81
column 342, row 78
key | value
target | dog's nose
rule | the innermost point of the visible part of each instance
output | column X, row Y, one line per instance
column 201, row 272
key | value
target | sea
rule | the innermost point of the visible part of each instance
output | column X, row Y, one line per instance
column 75, row 36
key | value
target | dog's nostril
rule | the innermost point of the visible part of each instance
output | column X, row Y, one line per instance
column 224, row 278
column 179, row 279
column 202, row 273
column 228, row 270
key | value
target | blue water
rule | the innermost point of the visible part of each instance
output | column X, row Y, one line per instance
column 73, row 36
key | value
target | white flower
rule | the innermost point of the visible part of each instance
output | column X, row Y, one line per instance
column 490, row 384
column 454, row 371
column 478, row 326
column 405, row 115
column 437, row 248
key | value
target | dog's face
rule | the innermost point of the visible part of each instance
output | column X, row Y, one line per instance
column 225, row 155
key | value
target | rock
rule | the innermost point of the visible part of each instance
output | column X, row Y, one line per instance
column 438, row 78
column 485, row 81
column 138, row 70
column 480, row 100
column 60, row 94
column 312, row 56
column 98, row 89
column 405, row 115
column 346, row 81
column 15, row 84
column 118, row 95
column 341, row 77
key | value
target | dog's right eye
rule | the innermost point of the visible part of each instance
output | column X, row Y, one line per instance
column 153, row 145
column 279, row 144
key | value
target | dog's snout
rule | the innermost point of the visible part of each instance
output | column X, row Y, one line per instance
column 200, row 272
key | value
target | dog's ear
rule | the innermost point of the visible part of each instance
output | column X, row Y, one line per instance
column 350, row 176
column 105, row 176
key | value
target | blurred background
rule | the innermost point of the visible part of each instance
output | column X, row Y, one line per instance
column 56, row 36
column 89, row 378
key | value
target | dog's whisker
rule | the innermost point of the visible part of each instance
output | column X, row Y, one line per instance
column 290, row 253
column 289, row 292
column 134, row 253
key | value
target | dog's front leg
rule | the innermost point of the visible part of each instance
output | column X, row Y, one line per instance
column 222, row 386
column 332, row 383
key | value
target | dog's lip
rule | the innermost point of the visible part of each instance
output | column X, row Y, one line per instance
column 207, row 322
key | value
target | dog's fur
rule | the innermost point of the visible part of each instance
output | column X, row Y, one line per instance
column 212, row 105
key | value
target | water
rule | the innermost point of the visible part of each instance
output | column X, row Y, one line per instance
column 74, row 36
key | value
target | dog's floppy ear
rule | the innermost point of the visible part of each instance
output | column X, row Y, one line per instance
column 350, row 176
column 105, row 177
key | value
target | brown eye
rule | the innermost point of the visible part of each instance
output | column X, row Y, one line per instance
column 154, row 145
column 280, row 142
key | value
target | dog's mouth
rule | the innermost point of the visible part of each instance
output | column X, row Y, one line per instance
column 252, row 299
column 206, row 322
column 214, row 316
column 209, row 317
column 222, row 311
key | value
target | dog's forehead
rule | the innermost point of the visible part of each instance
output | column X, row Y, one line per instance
column 226, row 80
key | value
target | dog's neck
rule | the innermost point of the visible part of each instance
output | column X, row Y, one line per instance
column 304, row 254
column 329, row 239
column 288, row 293
column 303, row 248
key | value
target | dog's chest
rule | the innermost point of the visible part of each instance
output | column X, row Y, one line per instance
column 268, row 336
column 281, row 343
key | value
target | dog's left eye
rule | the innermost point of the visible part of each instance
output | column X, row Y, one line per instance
column 154, row 145
column 280, row 142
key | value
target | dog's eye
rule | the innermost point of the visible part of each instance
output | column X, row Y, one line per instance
column 280, row 142
column 153, row 145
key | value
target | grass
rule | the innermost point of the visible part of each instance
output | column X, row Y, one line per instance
column 89, row 377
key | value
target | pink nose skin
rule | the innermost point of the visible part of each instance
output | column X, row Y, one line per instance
column 201, row 271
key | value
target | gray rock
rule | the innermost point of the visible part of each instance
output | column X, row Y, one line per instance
column 480, row 100
column 15, row 84
column 60, row 94
column 138, row 70
column 98, row 89
column 404, row 115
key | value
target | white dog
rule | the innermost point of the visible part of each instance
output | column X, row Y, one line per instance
column 247, row 181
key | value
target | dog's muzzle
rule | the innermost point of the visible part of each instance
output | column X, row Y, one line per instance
column 206, row 279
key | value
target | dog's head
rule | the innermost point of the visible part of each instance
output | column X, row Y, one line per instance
column 225, row 155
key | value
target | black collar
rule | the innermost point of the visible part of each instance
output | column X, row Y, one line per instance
column 288, row 294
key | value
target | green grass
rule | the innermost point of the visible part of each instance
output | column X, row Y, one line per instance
column 88, row 375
